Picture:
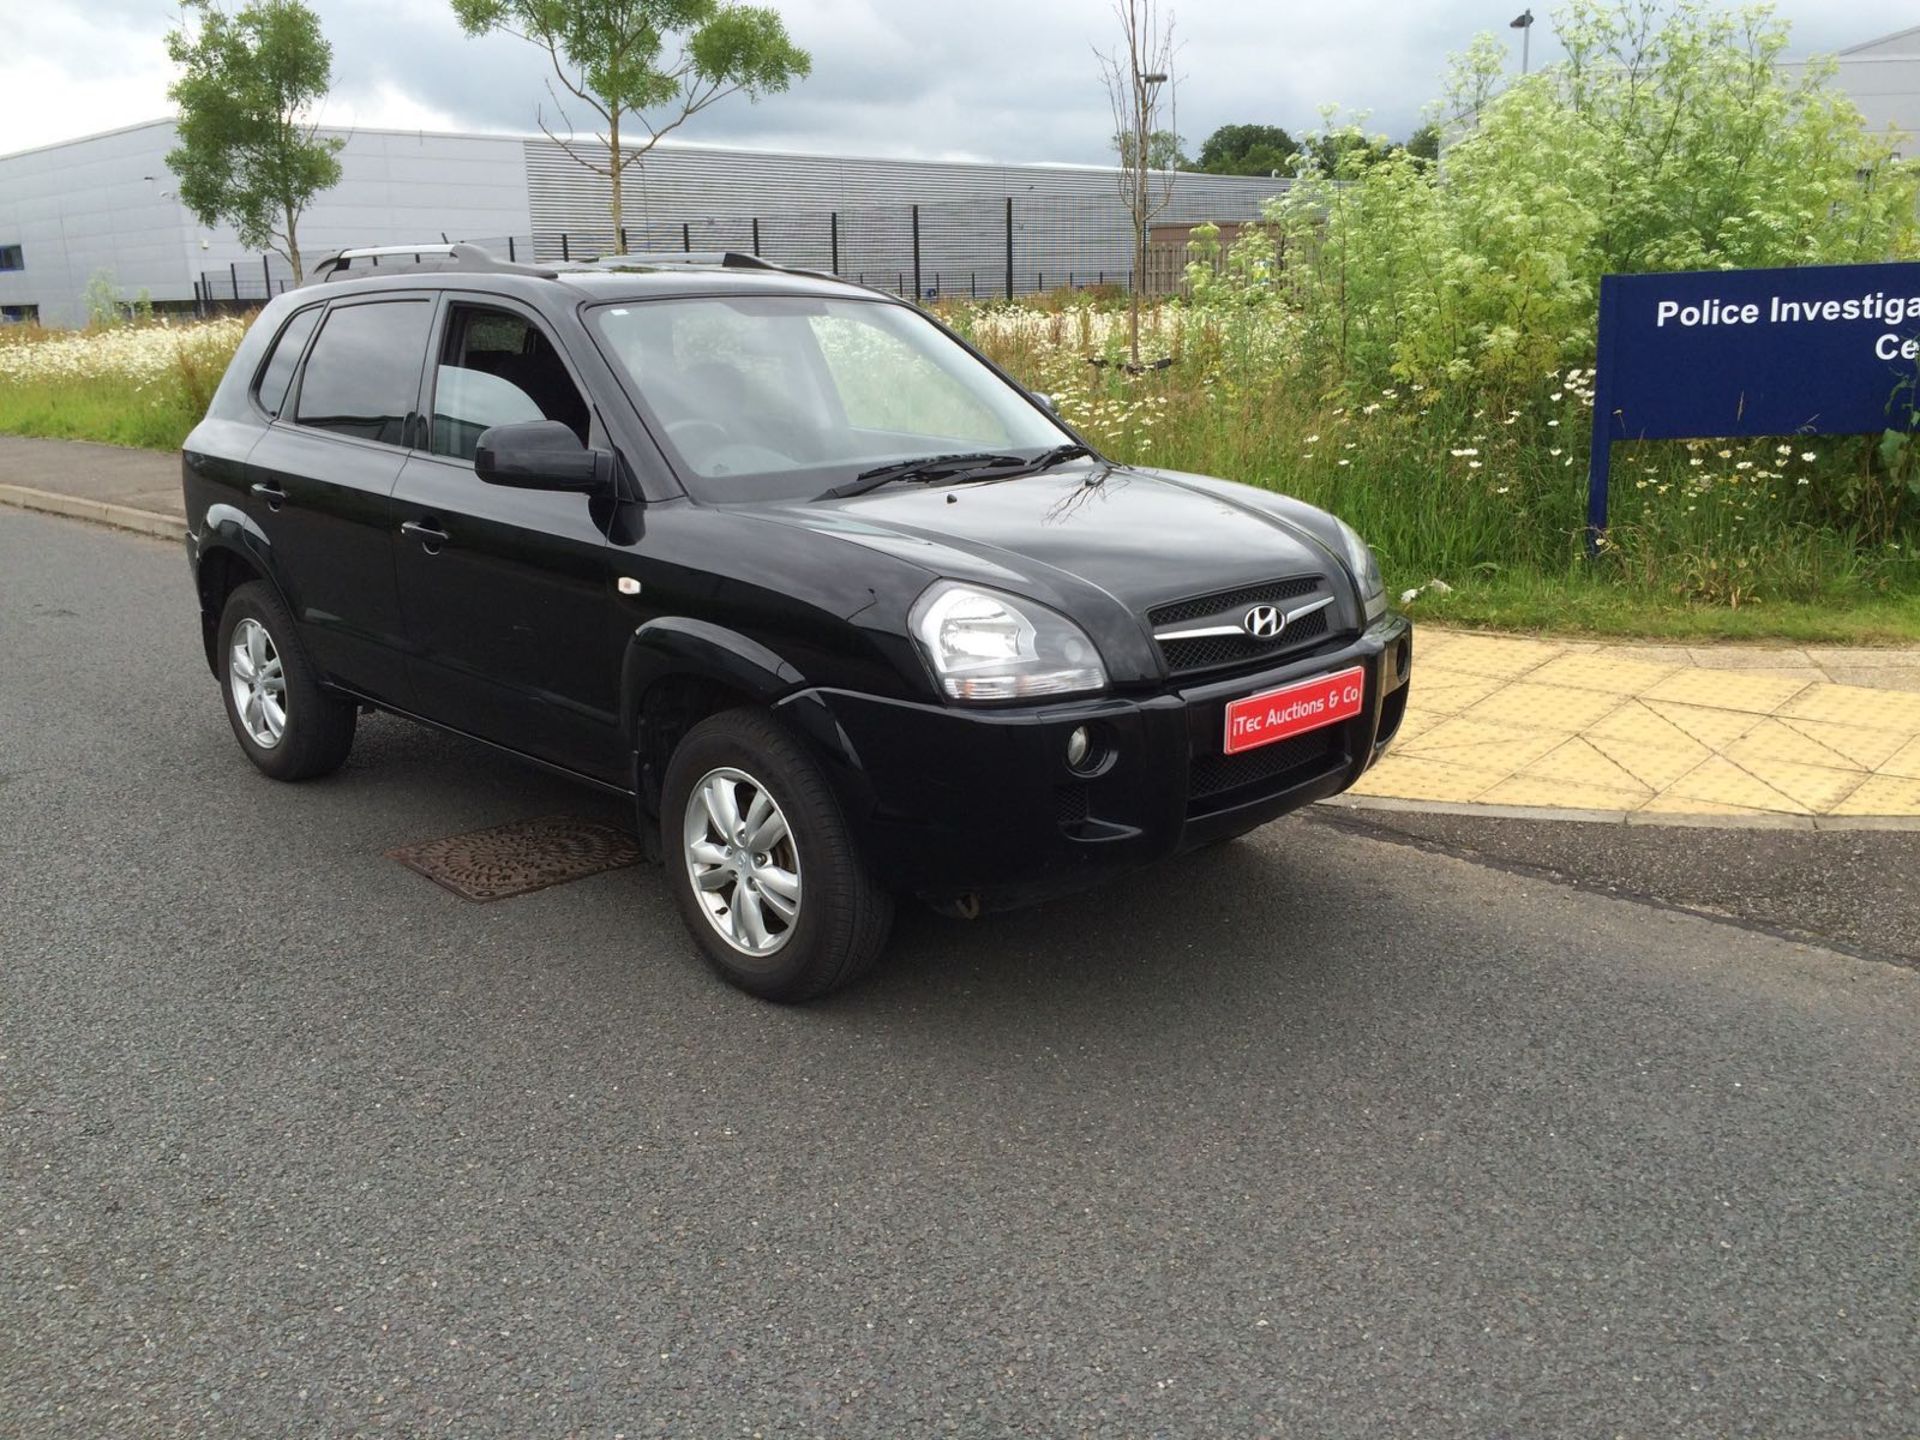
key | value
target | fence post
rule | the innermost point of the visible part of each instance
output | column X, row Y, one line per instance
column 756, row 235
column 566, row 249
column 834, row 241
column 623, row 239
column 686, row 236
column 1009, row 247
column 916, row 255
column 510, row 254
column 233, row 273
column 266, row 278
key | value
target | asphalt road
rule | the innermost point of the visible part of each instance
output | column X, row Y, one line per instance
column 1315, row 1135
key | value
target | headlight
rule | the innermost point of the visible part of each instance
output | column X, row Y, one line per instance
column 1366, row 571
column 983, row 645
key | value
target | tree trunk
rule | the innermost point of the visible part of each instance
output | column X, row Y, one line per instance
column 1139, row 222
column 614, row 167
column 293, row 251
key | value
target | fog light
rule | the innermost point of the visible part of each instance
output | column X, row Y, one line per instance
column 1079, row 746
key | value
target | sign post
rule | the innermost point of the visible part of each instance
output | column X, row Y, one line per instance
column 1734, row 354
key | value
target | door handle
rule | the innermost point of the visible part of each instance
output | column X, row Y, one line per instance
column 432, row 539
column 274, row 496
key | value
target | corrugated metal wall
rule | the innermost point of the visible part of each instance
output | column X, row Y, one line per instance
column 1069, row 223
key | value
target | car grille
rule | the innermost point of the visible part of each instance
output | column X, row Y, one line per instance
column 1216, row 782
column 1215, row 650
column 1228, row 607
column 1205, row 607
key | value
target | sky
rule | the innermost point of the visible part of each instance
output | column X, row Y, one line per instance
column 1006, row 80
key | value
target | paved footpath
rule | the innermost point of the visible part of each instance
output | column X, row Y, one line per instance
column 1727, row 734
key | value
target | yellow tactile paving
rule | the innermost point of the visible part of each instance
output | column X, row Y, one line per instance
column 1654, row 766
column 1496, row 656
column 1637, row 723
column 1407, row 777
column 1601, row 672
column 1904, row 762
column 1577, row 763
column 1726, row 690
column 1525, row 706
column 1478, row 745
column 1810, row 787
column 1869, row 749
column 1772, row 743
column 1681, row 805
column 1721, row 782
column 1444, row 692
column 1882, row 795
column 1716, row 729
column 1660, row 731
column 1857, row 705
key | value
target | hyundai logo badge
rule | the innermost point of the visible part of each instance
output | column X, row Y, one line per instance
column 1263, row 622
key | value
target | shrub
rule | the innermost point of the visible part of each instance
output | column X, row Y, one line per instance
column 1665, row 141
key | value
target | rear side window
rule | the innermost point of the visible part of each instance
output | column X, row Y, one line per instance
column 363, row 375
column 278, row 374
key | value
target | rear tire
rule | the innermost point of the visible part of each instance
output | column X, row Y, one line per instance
column 289, row 727
column 762, row 863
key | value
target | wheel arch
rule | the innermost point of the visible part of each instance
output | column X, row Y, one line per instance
column 677, row 671
column 233, row 551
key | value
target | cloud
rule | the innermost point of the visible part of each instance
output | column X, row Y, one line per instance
column 1009, row 80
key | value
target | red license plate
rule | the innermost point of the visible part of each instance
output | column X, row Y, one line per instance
column 1294, row 709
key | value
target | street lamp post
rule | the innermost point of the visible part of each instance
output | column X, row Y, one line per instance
column 1523, row 22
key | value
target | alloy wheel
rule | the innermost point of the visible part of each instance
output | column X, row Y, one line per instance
column 259, row 683
column 741, row 858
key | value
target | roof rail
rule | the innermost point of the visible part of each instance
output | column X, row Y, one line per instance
column 655, row 259
column 435, row 255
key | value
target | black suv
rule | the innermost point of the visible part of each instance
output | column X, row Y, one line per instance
column 847, row 612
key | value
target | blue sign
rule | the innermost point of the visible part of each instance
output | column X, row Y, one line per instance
column 1719, row 354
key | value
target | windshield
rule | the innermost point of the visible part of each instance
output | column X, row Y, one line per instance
column 779, row 397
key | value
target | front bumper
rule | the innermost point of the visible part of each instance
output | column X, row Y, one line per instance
column 951, row 803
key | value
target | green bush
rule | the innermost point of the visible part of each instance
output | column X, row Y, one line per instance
column 1665, row 141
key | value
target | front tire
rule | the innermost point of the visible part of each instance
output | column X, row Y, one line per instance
column 762, row 864
column 289, row 727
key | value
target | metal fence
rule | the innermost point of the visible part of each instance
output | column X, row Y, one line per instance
column 981, row 250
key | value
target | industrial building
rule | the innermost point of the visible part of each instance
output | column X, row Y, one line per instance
column 106, row 205
column 103, row 209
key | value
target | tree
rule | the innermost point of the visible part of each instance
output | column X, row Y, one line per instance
column 1669, row 138
column 1164, row 150
column 248, row 153
column 1248, row 150
column 1137, row 73
column 1345, row 150
column 613, row 57
column 1424, row 143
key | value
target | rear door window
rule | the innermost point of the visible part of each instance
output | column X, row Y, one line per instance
column 363, row 375
column 277, row 374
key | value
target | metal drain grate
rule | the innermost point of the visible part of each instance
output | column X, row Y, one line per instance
column 523, row 856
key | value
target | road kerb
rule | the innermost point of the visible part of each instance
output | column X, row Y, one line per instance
column 100, row 512
column 1624, row 817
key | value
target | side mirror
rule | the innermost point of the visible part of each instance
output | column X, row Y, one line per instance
column 1045, row 402
column 540, row 455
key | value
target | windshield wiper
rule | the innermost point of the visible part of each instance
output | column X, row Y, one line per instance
column 944, row 467
column 923, row 468
column 1058, row 455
